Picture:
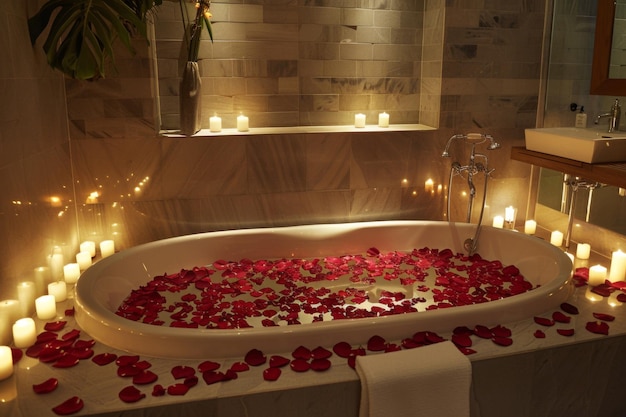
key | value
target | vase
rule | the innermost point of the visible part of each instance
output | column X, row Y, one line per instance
column 190, row 99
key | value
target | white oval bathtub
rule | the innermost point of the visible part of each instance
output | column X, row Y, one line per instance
column 105, row 285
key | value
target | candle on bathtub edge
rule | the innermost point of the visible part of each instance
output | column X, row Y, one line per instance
column 242, row 123
column 583, row 250
column 83, row 259
column 107, row 248
column 71, row 273
column 215, row 124
column 556, row 238
column 6, row 362
column 383, row 120
column 597, row 275
column 498, row 222
column 26, row 297
column 46, row 307
column 58, row 290
column 530, row 227
column 9, row 313
column 359, row 120
column 618, row 266
column 88, row 246
column 24, row 333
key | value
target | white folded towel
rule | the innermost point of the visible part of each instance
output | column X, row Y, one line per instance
column 429, row 381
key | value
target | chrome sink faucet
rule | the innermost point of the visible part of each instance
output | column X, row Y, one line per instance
column 613, row 116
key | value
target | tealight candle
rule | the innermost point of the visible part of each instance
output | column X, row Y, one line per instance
column 597, row 275
column 24, row 333
column 88, row 246
column 6, row 362
column 9, row 313
column 46, row 307
column 530, row 227
column 71, row 273
column 83, row 259
column 215, row 124
column 242, row 123
column 583, row 250
column 58, row 290
column 556, row 238
column 359, row 120
column 107, row 248
column 26, row 296
column 42, row 277
column 383, row 120
column 498, row 222
column 618, row 266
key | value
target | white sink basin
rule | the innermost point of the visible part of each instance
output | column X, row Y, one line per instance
column 584, row 145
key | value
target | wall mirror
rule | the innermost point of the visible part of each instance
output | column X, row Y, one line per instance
column 608, row 75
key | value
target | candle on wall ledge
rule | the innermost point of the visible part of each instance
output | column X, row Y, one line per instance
column 24, row 333
column 383, row 120
column 498, row 222
column 530, row 227
column 58, row 290
column 26, row 296
column 242, row 123
column 107, row 248
column 556, row 238
column 83, row 259
column 359, row 120
column 88, row 246
column 618, row 266
column 45, row 306
column 215, row 124
column 71, row 273
column 597, row 275
column 429, row 185
column 510, row 213
column 583, row 251
column 9, row 313
column 6, row 362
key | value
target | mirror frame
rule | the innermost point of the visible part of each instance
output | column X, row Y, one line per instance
column 601, row 84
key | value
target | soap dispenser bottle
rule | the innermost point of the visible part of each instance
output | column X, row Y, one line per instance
column 581, row 118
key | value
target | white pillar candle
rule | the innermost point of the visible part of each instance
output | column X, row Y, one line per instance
column 583, row 250
column 9, row 313
column 509, row 214
column 46, row 307
column 58, row 290
column 83, row 259
column 429, row 185
column 359, row 120
column 215, row 124
column 530, row 227
column 597, row 275
column 498, row 222
column 56, row 266
column 71, row 273
column 6, row 362
column 618, row 266
column 556, row 238
column 242, row 123
column 42, row 278
column 107, row 248
column 383, row 120
column 24, row 333
column 88, row 246
column 26, row 296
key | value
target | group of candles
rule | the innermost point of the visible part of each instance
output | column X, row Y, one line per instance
column 215, row 123
column 360, row 119
column 16, row 315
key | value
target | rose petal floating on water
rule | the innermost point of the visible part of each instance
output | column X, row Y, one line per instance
column 104, row 358
column 597, row 327
column 271, row 374
column 47, row 386
column 604, row 316
column 565, row 332
column 255, row 357
column 569, row 308
column 69, row 406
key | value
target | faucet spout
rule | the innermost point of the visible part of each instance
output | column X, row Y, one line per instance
column 613, row 116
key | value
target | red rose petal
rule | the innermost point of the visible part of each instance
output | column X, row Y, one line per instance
column 181, row 372
column 130, row 394
column 158, row 390
column 145, row 377
column 69, row 406
column 621, row 298
column 321, row 353
column 299, row 365
column 104, row 358
column 128, row 371
column 44, row 337
column 191, row 381
column 55, row 326
column 301, row 352
column 560, row 317
column 271, row 374
column 376, row 343
column 178, row 389
column 565, row 332
column 16, row 355
column 569, row 308
column 255, row 357
column 239, row 367
column 461, row 340
column 208, row 366
column 597, row 327
column 125, row 360
column 277, row 361
column 343, row 349
column 84, row 344
column 47, row 386
column 66, row 361
column 320, row 365
column 211, row 377
column 604, row 316
column 466, row 351
column 543, row 321
column 500, row 331
column 502, row 341
column 539, row 334
column 71, row 335
column 483, row 332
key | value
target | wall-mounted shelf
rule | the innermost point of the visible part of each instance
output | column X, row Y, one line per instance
column 610, row 174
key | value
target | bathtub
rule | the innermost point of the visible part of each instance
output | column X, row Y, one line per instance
column 102, row 288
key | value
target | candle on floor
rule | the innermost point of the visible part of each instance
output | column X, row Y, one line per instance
column 383, row 120
column 9, row 313
column 83, row 259
column 26, row 296
column 6, row 362
column 71, row 273
column 107, row 248
column 618, row 266
column 42, row 278
column 215, row 124
column 58, row 290
column 597, row 275
column 530, row 227
column 46, row 307
column 556, row 238
column 56, row 266
column 498, row 222
column 242, row 123
column 583, row 250
column 359, row 120
column 24, row 333
column 88, row 246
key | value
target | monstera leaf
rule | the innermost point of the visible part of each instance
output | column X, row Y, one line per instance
column 82, row 32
